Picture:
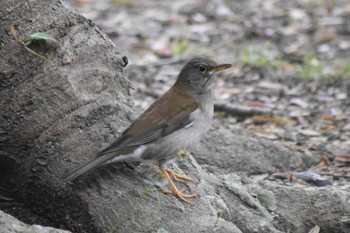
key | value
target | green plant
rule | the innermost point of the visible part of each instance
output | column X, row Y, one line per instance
column 113, row 228
column 178, row 47
column 29, row 39
column 254, row 59
column 310, row 68
column 148, row 190
column 344, row 71
column 219, row 214
column 40, row 36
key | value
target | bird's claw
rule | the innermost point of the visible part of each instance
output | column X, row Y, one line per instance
column 179, row 194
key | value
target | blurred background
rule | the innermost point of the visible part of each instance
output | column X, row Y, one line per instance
column 290, row 82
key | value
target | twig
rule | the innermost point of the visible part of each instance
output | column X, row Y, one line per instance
column 223, row 44
column 3, row 198
column 13, row 32
column 241, row 111
column 163, row 62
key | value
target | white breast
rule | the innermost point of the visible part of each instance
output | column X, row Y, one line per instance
column 201, row 120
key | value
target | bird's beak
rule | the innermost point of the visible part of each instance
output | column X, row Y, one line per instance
column 220, row 67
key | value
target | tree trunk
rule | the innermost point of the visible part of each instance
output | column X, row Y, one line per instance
column 53, row 115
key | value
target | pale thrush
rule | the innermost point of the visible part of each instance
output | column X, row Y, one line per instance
column 175, row 121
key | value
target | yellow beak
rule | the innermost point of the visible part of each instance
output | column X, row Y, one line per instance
column 220, row 67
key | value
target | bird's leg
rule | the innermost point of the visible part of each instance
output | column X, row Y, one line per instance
column 173, row 190
column 178, row 177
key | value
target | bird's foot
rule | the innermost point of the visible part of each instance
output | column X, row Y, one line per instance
column 179, row 194
column 178, row 177
column 173, row 189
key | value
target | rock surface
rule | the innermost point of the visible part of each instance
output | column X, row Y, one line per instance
column 237, row 150
column 9, row 224
column 53, row 114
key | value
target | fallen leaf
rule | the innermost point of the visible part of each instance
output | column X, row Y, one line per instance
column 324, row 162
column 272, row 86
column 315, row 229
column 279, row 176
column 229, row 90
column 309, row 132
column 342, row 160
column 312, row 178
column 13, row 32
column 299, row 102
column 279, row 120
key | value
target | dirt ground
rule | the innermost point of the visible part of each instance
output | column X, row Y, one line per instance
column 290, row 81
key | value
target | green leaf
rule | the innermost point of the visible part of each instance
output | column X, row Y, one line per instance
column 40, row 36
column 38, row 55
column 179, row 47
column 345, row 70
column 254, row 59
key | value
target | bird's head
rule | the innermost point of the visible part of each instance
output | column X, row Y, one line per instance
column 198, row 74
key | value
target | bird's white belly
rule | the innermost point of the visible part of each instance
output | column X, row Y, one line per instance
column 167, row 147
column 186, row 137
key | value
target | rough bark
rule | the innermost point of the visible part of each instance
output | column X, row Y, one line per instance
column 9, row 224
column 55, row 117
column 52, row 115
column 237, row 150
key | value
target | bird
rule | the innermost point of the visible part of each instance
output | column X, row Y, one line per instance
column 174, row 122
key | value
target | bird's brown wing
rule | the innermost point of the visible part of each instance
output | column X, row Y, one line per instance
column 159, row 120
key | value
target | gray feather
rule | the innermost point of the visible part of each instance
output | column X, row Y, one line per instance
column 88, row 165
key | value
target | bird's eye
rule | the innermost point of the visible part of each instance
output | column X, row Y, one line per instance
column 202, row 68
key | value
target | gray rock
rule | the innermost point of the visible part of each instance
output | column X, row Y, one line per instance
column 238, row 151
column 300, row 208
column 9, row 224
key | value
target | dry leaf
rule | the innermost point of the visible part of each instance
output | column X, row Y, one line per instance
column 309, row 132
column 312, row 178
column 342, row 160
column 13, row 32
column 324, row 162
column 315, row 229
column 279, row 120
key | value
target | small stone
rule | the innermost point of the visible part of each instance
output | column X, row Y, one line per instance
column 309, row 132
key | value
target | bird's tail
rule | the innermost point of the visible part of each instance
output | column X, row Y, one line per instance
column 88, row 165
